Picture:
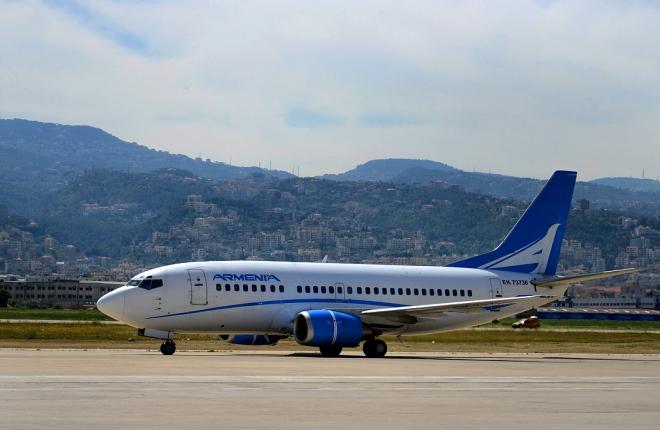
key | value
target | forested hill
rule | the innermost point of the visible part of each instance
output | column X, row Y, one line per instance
column 37, row 157
column 166, row 216
column 608, row 194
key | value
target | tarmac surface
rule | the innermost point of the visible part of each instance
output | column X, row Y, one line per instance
column 126, row 389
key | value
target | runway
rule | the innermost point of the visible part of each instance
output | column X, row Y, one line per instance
column 117, row 389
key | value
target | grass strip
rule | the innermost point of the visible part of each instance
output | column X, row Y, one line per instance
column 118, row 336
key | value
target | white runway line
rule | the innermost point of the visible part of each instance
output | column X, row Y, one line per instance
column 273, row 379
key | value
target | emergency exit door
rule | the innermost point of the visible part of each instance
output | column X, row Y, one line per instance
column 198, row 291
column 496, row 287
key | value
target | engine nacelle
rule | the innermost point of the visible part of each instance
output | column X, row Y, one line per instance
column 250, row 339
column 324, row 327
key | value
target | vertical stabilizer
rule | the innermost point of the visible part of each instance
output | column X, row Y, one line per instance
column 533, row 244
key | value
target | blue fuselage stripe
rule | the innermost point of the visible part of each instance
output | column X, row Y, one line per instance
column 279, row 302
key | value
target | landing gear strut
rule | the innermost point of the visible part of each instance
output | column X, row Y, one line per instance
column 374, row 348
column 168, row 347
column 330, row 350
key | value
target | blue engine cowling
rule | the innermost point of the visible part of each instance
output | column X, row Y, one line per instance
column 250, row 339
column 324, row 327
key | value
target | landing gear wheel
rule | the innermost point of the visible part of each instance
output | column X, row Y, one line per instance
column 330, row 350
column 168, row 347
column 374, row 348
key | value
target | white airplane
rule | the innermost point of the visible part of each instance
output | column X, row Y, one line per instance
column 332, row 306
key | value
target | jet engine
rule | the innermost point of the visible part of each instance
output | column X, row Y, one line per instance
column 324, row 327
column 250, row 339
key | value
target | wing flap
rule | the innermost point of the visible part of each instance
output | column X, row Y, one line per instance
column 568, row 280
column 440, row 309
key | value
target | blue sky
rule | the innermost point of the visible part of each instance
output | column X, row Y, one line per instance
column 515, row 87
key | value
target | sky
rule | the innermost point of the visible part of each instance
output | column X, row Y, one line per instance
column 512, row 87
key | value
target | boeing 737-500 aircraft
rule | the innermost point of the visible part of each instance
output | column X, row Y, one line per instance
column 332, row 306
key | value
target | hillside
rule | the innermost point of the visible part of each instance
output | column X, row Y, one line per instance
column 38, row 157
column 501, row 186
column 633, row 184
column 170, row 215
column 386, row 170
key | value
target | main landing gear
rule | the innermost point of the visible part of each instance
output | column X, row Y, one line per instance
column 330, row 350
column 374, row 348
column 168, row 347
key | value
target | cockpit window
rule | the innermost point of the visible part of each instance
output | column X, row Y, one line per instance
column 150, row 284
column 134, row 282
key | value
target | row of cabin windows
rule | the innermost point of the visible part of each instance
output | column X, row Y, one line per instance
column 246, row 288
column 384, row 291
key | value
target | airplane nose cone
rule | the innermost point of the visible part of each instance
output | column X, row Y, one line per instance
column 112, row 304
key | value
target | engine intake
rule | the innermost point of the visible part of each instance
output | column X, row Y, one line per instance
column 250, row 339
column 325, row 327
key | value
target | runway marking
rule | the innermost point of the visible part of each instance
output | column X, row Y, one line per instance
column 274, row 379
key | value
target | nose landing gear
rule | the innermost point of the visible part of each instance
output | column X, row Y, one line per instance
column 168, row 347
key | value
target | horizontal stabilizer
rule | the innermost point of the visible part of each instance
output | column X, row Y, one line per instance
column 568, row 280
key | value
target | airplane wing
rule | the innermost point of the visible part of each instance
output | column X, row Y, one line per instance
column 410, row 314
column 567, row 280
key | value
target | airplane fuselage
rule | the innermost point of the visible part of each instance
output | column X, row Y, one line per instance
column 264, row 297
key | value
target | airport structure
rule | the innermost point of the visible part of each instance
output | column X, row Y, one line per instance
column 65, row 293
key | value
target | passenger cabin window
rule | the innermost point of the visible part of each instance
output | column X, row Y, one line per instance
column 401, row 291
column 367, row 290
column 349, row 290
column 376, row 291
column 340, row 290
column 416, row 291
column 469, row 293
column 263, row 288
column 359, row 290
column 323, row 290
column 447, row 292
column 227, row 287
column 237, row 287
column 331, row 289
column 299, row 289
column 431, row 291
column 281, row 288
column 454, row 292
column 272, row 288
column 245, row 287
column 218, row 287
column 254, row 288
column 307, row 289
column 315, row 289
column 462, row 293
column 407, row 291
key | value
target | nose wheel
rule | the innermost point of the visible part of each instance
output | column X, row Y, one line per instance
column 374, row 348
column 168, row 347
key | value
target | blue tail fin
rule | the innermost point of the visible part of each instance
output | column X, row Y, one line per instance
column 533, row 245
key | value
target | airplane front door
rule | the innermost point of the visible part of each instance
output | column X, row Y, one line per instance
column 198, row 291
column 496, row 287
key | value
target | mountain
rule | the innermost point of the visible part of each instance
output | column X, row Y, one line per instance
column 632, row 184
column 38, row 157
column 502, row 186
column 386, row 170
column 168, row 215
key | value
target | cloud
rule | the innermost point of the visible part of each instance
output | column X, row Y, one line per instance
column 306, row 118
column 520, row 87
column 376, row 119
